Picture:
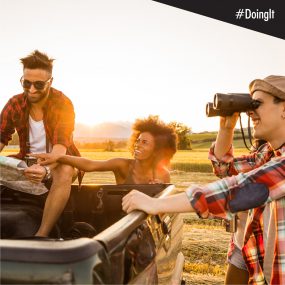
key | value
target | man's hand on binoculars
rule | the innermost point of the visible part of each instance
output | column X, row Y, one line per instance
column 229, row 122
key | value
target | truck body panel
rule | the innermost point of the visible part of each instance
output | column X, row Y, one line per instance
column 94, row 241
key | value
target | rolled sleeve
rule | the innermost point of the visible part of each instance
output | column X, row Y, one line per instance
column 214, row 198
column 198, row 201
column 227, row 158
column 222, row 167
column 210, row 200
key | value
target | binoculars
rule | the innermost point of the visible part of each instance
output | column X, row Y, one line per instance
column 227, row 104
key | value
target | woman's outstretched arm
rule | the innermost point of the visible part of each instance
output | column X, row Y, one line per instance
column 81, row 163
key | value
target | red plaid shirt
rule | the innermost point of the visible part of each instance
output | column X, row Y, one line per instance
column 264, row 166
column 58, row 121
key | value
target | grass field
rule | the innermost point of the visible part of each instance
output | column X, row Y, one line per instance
column 204, row 246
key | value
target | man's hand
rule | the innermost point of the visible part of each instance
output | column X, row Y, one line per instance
column 35, row 173
column 46, row 158
column 136, row 200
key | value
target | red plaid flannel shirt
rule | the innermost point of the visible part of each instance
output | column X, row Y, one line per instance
column 228, row 166
column 264, row 166
column 58, row 121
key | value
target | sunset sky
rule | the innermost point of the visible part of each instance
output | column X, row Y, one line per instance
column 119, row 60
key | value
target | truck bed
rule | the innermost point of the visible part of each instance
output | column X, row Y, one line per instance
column 94, row 241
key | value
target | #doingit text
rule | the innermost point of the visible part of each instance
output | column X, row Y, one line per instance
column 259, row 15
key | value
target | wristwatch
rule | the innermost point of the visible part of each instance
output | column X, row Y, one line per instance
column 48, row 173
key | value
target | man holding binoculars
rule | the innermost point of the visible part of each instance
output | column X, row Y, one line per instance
column 258, row 184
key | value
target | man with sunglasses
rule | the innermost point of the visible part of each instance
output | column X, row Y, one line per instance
column 258, row 184
column 44, row 120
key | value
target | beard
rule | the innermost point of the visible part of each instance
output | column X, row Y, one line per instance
column 36, row 97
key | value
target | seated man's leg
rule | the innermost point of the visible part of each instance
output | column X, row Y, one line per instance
column 57, row 198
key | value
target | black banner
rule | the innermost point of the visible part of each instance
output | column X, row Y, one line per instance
column 263, row 16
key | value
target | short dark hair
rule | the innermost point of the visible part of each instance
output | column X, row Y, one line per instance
column 36, row 60
column 164, row 135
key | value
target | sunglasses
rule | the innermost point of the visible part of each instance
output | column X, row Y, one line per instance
column 39, row 85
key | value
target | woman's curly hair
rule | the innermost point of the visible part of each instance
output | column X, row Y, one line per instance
column 165, row 137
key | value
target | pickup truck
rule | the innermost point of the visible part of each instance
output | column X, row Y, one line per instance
column 94, row 241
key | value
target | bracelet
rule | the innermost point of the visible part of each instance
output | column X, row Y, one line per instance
column 48, row 173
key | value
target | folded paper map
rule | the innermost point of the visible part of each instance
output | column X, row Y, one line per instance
column 12, row 176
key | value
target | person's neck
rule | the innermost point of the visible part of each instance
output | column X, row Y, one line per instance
column 278, row 143
column 144, row 165
column 144, row 171
column 36, row 111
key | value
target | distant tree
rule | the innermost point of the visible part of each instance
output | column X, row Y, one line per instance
column 110, row 146
column 183, row 133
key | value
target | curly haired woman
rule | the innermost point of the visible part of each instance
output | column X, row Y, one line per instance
column 153, row 143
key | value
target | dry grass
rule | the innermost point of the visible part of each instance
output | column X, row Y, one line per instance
column 204, row 247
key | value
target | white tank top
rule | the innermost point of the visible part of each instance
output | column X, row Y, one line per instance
column 37, row 136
